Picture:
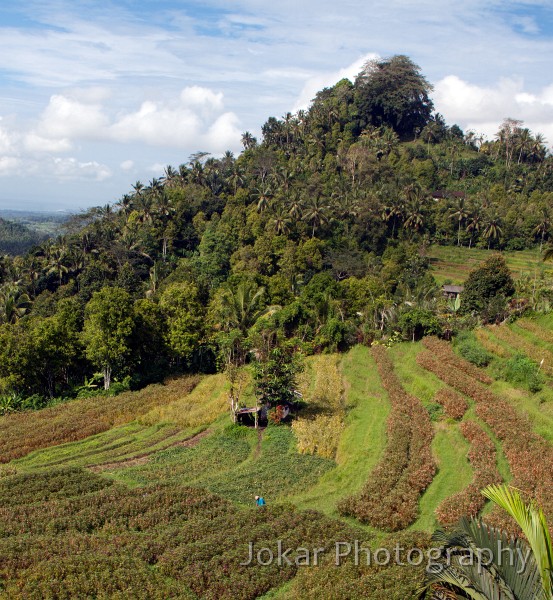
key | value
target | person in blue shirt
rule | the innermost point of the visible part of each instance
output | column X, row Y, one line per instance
column 260, row 501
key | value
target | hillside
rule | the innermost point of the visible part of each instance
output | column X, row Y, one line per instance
column 137, row 494
column 16, row 238
column 304, row 274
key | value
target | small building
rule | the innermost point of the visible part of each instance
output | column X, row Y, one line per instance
column 452, row 291
column 447, row 195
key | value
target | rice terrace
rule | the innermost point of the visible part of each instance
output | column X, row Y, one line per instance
column 296, row 357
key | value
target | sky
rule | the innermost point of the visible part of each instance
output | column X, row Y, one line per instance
column 97, row 95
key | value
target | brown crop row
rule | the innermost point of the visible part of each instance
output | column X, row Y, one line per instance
column 482, row 457
column 530, row 457
column 24, row 432
column 149, row 543
column 483, row 336
column 543, row 334
column 455, row 406
column 444, row 352
column 520, row 343
column 389, row 499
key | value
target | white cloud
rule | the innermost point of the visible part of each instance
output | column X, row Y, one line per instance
column 322, row 80
column 9, row 165
column 127, row 165
column 483, row 108
column 192, row 121
column 65, row 117
column 37, row 143
column 71, row 168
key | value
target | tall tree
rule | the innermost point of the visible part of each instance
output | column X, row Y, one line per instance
column 393, row 92
column 108, row 327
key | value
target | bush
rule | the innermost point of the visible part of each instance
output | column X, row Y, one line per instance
column 471, row 350
column 522, row 371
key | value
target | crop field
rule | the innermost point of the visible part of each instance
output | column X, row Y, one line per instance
column 452, row 264
column 152, row 491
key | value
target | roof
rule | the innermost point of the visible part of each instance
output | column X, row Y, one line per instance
column 453, row 289
column 447, row 194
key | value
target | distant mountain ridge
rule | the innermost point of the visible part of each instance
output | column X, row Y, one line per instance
column 16, row 238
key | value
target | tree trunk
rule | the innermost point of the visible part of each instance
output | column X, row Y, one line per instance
column 107, row 377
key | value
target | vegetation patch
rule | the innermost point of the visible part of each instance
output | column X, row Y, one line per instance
column 319, row 428
column 455, row 405
column 530, row 457
column 389, row 499
column 75, row 420
column 482, row 457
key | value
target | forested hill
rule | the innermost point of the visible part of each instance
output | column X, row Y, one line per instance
column 15, row 238
column 326, row 220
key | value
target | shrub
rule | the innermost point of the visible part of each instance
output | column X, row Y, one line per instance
column 529, row 456
column 469, row 348
column 455, row 406
column 78, row 419
column 521, row 371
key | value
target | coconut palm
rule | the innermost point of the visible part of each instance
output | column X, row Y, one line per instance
column 474, row 221
column 542, row 228
column 280, row 221
column 241, row 306
column 459, row 213
column 483, row 563
column 14, row 303
column 531, row 520
column 316, row 213
column 493, row 229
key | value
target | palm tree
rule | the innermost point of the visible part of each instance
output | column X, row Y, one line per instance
column 542, row 228
column 281, row 221
column 531, row 520
column 414, row 212
column 264, row 196
column 241, row 306
column 493, row 229
column 482, row 563
column 248, row 140
column 14, row 303
column 316, row 214
column 295, row 207
column 460, row 213
column 57, row 255
column 473, row 223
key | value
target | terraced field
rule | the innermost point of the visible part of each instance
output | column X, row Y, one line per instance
column 453, row 264
column 158, row 497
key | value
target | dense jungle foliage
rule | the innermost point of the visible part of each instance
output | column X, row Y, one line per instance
column 317, row 233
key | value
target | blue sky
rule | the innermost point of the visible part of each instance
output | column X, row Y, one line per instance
column 95, row 95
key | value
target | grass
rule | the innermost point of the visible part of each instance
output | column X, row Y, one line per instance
column 118, row 444
column 228, row 463
column 363, row 438
column 451, row 263
column 454, row 473
column 204, row 404
column 417, row 381
column 449, row 447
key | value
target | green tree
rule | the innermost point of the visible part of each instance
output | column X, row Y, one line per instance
column 393, row 92
column 275, row 375
column 108, row 330
column 180, row 304
column 488, row 283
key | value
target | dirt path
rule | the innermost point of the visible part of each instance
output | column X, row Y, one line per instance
column 142, row 459
column 260, row 431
